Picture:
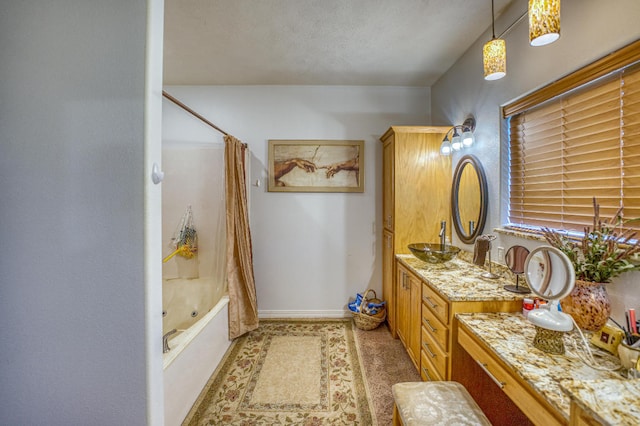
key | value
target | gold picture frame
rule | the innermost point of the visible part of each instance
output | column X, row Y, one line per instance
column 316, row 165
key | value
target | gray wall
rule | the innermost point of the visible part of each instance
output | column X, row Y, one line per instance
column 72, row 300
column 590, row 30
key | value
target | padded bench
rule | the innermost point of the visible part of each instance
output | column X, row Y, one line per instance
column 435, row 403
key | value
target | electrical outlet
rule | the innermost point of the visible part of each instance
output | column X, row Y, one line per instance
column 501, row 253
column 608, row 339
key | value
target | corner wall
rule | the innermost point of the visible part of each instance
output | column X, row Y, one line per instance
column 72, row 138
column 590, row 29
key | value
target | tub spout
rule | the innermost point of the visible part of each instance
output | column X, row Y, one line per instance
column 165, row 341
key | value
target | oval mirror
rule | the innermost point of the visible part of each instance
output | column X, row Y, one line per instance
column 469, row 199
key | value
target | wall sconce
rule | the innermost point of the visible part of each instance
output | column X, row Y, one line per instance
column 459, row 141
column 494, row 54
column 544, row 21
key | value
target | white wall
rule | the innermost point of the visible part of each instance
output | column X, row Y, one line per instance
column 312, row 251
column 72, row 137
column 590, row 30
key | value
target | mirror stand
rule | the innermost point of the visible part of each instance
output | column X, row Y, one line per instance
column 514, row 259
column 516, row 288
column 550, row 275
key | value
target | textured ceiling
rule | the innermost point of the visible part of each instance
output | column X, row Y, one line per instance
column 319, row 42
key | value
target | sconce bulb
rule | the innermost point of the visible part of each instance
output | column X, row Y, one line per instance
column 445, row 148
column 467, row 138
column 456, row 142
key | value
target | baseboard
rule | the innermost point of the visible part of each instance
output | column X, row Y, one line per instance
column 304, row 314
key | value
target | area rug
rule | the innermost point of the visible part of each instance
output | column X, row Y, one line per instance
column 288, row 372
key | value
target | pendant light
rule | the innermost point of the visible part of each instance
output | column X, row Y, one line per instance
column 544, row 21
column 494, row 54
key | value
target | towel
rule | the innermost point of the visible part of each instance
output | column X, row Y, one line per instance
column 480, row 249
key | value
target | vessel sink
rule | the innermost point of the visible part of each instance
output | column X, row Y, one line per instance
column 434, row 253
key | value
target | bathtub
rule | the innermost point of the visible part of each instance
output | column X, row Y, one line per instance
column 199, row 310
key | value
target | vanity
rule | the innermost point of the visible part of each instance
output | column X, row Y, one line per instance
column 548, row 389
column 430, row 296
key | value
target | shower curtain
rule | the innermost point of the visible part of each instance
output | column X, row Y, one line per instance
column 243, row 306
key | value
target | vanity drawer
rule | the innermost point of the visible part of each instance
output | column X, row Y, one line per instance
column 428, row 372
column 438, row 331
column 434, row 353
column 542, row 414
column 436, row 303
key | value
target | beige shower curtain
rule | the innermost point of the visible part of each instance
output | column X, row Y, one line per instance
column 243, row 306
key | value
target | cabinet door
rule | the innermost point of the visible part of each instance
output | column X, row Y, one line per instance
column 403, row 304
column 408, row 315
column 387, row 184
column 414, row 328
column 388, row 263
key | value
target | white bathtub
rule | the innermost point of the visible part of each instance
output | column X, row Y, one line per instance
column 196, row 350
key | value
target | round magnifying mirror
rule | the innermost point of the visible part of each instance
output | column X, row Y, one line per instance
column 514, row 259
column 550, row 275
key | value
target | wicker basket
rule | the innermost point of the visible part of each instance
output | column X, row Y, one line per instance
column 365, row 321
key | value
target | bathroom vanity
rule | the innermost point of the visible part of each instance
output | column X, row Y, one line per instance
column 430, row 295
column 549, row 389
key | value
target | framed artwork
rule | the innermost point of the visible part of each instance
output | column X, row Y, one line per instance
column 316, row 166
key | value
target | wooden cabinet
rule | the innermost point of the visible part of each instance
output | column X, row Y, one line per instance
column 416, row 197
column 408, row 304
column 426, row 320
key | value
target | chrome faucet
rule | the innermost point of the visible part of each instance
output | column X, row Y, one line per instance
column 165, row 341
column 443, row 233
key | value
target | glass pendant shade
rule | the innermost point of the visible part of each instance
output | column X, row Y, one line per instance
column 494, row 56
column 544, row 21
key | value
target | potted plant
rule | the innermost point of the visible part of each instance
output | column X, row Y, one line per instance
column 604, row 252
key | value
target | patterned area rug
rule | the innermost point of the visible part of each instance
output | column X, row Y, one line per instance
column 288, row 372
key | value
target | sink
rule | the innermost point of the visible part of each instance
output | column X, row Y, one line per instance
column 434, row 253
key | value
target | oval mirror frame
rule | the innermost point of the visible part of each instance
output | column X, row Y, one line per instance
column 474, row 163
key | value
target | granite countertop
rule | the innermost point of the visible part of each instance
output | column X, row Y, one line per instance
column 610, row 402
column 510, row 337
column 459, row 280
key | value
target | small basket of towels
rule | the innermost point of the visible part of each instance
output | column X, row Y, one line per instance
column 368, row 312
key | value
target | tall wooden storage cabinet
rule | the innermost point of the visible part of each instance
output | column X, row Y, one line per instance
column 416, row 198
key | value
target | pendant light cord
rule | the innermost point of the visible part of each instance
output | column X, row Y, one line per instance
column 493, row 22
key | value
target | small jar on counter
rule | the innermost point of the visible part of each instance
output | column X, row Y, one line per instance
column 527, row 306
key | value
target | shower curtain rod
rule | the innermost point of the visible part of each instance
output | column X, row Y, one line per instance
column 192, row 112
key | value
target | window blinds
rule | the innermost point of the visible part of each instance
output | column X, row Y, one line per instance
column 580, row 145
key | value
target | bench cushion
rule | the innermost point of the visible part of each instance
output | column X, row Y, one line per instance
column 436, row 403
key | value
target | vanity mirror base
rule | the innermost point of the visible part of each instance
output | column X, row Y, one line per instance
column 517, row 289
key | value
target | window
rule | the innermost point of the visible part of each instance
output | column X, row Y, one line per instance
column 577, row 139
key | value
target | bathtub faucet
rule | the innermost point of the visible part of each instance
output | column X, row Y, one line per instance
column 165, row 341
